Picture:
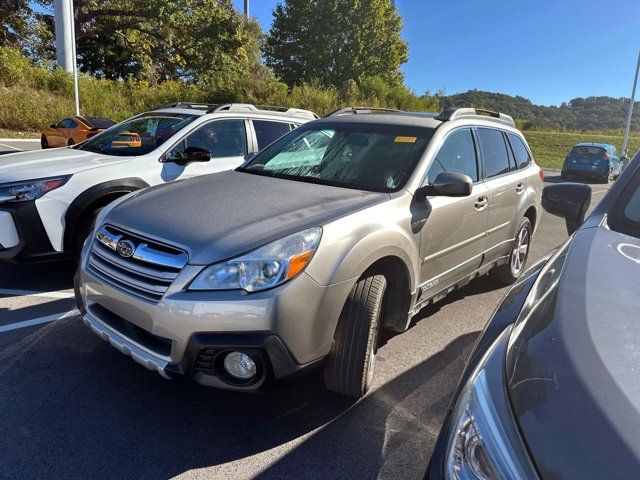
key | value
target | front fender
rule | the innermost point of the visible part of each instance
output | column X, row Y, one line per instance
column 350, row 245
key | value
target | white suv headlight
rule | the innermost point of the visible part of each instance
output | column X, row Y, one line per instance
column 31, row 189
column 266, row 267
column 483, row 441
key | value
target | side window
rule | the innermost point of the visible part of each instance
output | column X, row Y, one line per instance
column 457, row 154
column 267, row 132
column 523, row 159
column 66, row 123
column 493, row 149
column 222, row 138
column 72, row 123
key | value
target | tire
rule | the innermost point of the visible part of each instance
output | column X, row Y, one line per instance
column 44, row 143
column 351, row 362
column 70, row 143
column 83, row 230
column 509, row 274
column 564, row 176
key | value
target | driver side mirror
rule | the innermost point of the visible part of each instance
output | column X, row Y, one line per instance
column 53, row 125
column 194, row 155
column 569, row 201
column 447, row 184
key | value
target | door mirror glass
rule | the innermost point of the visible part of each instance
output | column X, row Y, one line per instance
column 447, row 184
column 569, row 201
column 53, row 125
column 196, row 154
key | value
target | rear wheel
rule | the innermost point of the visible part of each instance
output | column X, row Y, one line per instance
column 351, row 362
column 70, row 142
column 44, row 144
column 510, row 272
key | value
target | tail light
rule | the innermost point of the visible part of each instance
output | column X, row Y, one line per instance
column 541, row 173
column 91, row 134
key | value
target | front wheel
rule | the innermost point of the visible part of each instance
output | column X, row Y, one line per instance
column 83, row 230
column 351, row 362
column 44, row 143
column 509, row 273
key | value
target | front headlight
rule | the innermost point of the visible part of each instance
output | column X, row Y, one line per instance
column 483, row 441
column 31, row 189
column 266, row 267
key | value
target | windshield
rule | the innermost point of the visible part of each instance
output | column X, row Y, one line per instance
column 588, row 154
column 361, row 156
column 137, row 136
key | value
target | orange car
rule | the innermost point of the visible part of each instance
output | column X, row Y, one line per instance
column 73, row 130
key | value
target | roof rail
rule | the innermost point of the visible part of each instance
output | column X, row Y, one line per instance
column 451, row 114
column 248, row 107
column 359, row 110
column 198, row 105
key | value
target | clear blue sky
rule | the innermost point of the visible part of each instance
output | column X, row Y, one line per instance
column 549, row 51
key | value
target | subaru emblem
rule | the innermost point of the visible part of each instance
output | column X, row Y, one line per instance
column 125, row 248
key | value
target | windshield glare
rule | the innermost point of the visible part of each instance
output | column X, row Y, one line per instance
column 137, row 136
column 360, row 156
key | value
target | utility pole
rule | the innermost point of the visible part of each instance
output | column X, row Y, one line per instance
column 246, row 8
column 66, row 43
column 633, row 97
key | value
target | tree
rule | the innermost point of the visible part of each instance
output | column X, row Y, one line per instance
column 190, row 40
column 333, row 41
column 15, row 19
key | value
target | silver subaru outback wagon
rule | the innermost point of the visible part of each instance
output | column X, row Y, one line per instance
column 348, row 225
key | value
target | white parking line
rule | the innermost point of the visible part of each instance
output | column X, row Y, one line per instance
column 8, row 146
column 33, row 293
column 38, row 321
column 599, row 191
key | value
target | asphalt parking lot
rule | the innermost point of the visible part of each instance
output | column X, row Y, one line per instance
column 74, row 407
column 13, row 145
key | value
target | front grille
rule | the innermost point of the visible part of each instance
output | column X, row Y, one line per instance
column 142, row 268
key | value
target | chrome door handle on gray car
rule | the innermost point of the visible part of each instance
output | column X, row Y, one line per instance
column 482, row 203
column 348, row 225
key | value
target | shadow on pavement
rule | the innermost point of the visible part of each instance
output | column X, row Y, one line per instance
column 48, row 276
column 76, row 408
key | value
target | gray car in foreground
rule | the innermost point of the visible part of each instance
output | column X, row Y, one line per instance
column 297, row 259
column 552, row 388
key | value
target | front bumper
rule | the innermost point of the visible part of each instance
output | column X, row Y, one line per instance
column 32, row 243
column 288, row 329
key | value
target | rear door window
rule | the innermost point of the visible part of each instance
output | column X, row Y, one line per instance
column 523, row 158
column 457, row 154
column 267, row 132
column 495, row 158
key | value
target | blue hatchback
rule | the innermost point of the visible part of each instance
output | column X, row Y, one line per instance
column 594, row 161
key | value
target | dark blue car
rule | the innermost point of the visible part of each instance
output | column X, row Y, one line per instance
column 592, row 161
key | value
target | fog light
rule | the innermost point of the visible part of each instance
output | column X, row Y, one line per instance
column 240, row 365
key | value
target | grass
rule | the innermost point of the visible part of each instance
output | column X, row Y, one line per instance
column 15, row 134
column 550, row 148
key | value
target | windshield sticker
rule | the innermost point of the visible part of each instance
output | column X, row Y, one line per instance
column 152, row 127
column 406, row 139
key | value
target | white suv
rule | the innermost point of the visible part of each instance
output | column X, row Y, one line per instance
column 49, row 199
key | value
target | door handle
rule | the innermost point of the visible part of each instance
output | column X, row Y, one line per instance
column 520, row 188
column 481, row 203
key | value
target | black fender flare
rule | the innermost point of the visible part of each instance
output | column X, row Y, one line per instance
column 89, row 197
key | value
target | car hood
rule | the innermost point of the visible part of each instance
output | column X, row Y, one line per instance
column 51, row 162
column 573, row 367
column 219, row 216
